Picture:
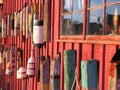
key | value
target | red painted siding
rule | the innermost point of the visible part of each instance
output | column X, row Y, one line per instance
column 85, row 49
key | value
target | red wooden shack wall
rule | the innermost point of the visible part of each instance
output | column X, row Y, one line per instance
column 86, row 49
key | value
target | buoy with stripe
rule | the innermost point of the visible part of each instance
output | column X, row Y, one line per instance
column 31, row 64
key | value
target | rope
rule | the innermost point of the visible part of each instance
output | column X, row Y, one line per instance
column 77, row 81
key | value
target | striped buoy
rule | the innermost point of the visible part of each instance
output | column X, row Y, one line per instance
column 31, row 66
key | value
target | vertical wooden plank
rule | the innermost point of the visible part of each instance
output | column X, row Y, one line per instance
column 86, row 51
column 36, row 1
column 51, row 50
column 78, row 48
column 99, row 55
column 4, row 6
column 69, row 69
column 4, row 1
column 35, row 78
column 109, row 52
column 29, row 2
column 14, row 7
column 61, row 49
column 55, row 17
column 47, row 20
column 13, row 82
column 11, row 77
column 27, row 47
column 25, row 54
column 68, row 46
column 18, row 40
column 35, row 81
column 33, row 1
column 15, row 74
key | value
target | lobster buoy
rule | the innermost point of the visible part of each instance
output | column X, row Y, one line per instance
column 21, row 73
column 31, row 65
column 8, row 68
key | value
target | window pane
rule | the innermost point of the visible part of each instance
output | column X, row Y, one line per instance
column 77, row 23
column 95, row 22
column 113, row 20
column 78, row 4
column 111, row 1
column 94, row 3
column 66, row 20
column 67, row 5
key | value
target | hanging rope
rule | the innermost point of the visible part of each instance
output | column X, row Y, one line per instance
column 78, row 83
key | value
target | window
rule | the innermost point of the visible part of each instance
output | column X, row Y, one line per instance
column 72, row 17
column 102, row 17
column 94, row 17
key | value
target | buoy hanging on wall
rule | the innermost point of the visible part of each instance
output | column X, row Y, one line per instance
column 38, row 32
column 8, row 68
column 31, row 64
column 38, row 39
column 21, row 73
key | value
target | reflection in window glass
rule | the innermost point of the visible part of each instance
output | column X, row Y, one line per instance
column 78, row 4
column 66, row 20
column 95, row 3
column 113, row 20
column 111, row 1
column 77, row 23
column 95, row 22
column 67, row 5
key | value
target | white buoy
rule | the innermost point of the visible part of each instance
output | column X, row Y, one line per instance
column 31, row 64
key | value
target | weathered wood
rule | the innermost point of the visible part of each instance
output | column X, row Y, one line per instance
column 99, row 55
column 69, row 68
column 109, row 52
column 112, row 76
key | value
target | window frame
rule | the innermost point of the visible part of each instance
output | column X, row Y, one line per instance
column 69, row 37
column 84, row 36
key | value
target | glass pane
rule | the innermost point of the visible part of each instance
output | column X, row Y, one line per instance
column 113, row 20
column 92, row 3
column 78, row 5
column 67, row 5
column 111, row 1
column 66, row 20
column 77, row 23
column 95, row 22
